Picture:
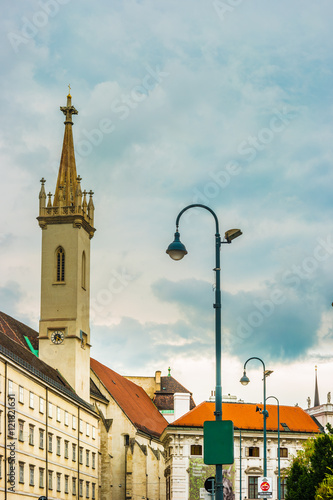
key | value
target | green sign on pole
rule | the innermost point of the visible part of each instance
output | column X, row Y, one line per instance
column 218, row 442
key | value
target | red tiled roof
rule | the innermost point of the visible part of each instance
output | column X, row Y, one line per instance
column 245, row 416
column 23, row 354
column 16, row 330
column 132, row 399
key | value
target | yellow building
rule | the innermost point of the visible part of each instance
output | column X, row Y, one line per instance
column 79, row 429
column 49, row 441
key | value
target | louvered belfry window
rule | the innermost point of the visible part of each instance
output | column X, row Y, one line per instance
column 60, row 264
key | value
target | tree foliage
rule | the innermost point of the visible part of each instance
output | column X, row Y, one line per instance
column 325, row 489
column 310, row 473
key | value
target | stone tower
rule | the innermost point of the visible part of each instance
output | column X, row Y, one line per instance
column 67, row 226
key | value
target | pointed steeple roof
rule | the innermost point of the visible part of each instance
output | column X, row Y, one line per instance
column 66, row 183
column 316, row 396
column 69, row 203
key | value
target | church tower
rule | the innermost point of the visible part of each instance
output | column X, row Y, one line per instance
column 67, row 226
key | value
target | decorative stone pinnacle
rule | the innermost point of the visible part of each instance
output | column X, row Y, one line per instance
column 42, row 181
column 69, row 110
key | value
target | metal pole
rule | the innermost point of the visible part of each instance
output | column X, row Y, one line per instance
column 265, row 416
column 218, row 392
column 240, row 464
column 279, row 457
column 264, row 412
column 218, row 350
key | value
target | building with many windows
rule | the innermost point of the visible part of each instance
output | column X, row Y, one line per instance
column 183, row 441
column 49, row 441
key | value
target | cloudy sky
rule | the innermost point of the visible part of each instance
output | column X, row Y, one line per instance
column 223, row 103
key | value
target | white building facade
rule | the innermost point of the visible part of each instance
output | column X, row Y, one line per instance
column 183, row 440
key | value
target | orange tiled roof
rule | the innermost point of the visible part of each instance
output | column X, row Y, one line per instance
column 132, row 399
column 244, row 416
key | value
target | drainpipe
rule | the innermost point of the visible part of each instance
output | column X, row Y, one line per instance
column 47, row 443
column 78, row 454
column 6, row 376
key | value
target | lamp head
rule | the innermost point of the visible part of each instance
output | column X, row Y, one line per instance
column 245, row 379
column 231, row 234
column 176, row 249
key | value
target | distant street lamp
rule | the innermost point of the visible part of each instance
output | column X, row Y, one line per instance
column 176, row 251
column 279, row 461
column 244, row 381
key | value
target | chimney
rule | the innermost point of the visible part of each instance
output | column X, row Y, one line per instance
column 158, row 381
column 181, row 403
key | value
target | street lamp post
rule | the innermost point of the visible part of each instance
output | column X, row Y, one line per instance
column 176, row 251
column 244, row 381
column 279, row 461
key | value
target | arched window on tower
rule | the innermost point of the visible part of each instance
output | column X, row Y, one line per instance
column 60, row 264
column 83, row 270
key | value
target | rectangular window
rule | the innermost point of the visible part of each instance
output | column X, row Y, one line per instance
column 21, row 430
column 74, row 452
column 58, row 481
column 41, row 439
column 50, row 443
column 50, row 480
column 66, row 417
column 58, row 445
column 41, row 478
column 74, row 422
column 31, row 434
column 81, row 426
column 21, row 472
column 81, row 488
column 50, row 410
column 31, row 475
column 87, row 489
column 93, row 433
column 21, row 394
column 284, row 452
column 88, row 430
column 87, row 458
column 41, row 405
column 196, row 449
column 252, row 451
column 10, row 387
column 93, row 491
column 81, row 455
column 93, row 460
column 253, row 487
column 31, row 400
column 58, row 414
column 66, row 443
column 74, row 485
column 66, row 484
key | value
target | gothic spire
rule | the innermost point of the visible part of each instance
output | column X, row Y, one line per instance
column 316, row 396
column 66, row 183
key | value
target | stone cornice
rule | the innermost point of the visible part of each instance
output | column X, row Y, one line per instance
column 77, row 220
